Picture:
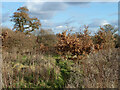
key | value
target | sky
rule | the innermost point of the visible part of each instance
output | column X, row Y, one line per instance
column 60, row 16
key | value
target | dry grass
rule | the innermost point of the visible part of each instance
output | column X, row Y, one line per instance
column 28, row 70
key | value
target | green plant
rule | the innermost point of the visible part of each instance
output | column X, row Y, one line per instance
column 65, row 69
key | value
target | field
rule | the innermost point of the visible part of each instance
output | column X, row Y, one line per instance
column 59, row 61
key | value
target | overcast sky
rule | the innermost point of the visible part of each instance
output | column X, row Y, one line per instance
column 59, row 16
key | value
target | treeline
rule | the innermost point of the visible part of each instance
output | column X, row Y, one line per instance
column 68, row 45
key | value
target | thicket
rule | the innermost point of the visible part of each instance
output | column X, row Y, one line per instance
column 42, row 43
column 46, row 40
column 70, row 46
column 18, row 40
column 101, row 70
column 78, row 46
column 48, row 72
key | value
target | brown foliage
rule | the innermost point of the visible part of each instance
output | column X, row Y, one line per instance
column 79, row 45
column 104, row 40
column 76, row 46
column 23, row 22
column 42, row 48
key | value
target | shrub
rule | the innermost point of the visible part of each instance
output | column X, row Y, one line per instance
column 46, row 41
column 104, row 40
column 74, row 46
column 18, row 40
column 101, row 69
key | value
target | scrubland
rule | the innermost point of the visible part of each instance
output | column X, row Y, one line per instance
column 63, row 60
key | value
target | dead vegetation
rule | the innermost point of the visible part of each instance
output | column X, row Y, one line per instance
column 101, row 70
column 25, row 63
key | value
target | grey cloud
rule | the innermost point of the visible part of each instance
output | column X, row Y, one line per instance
column 77, row 3
column 42, row 15
column 53, row 6
column 80, row 4
column 45, row 10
